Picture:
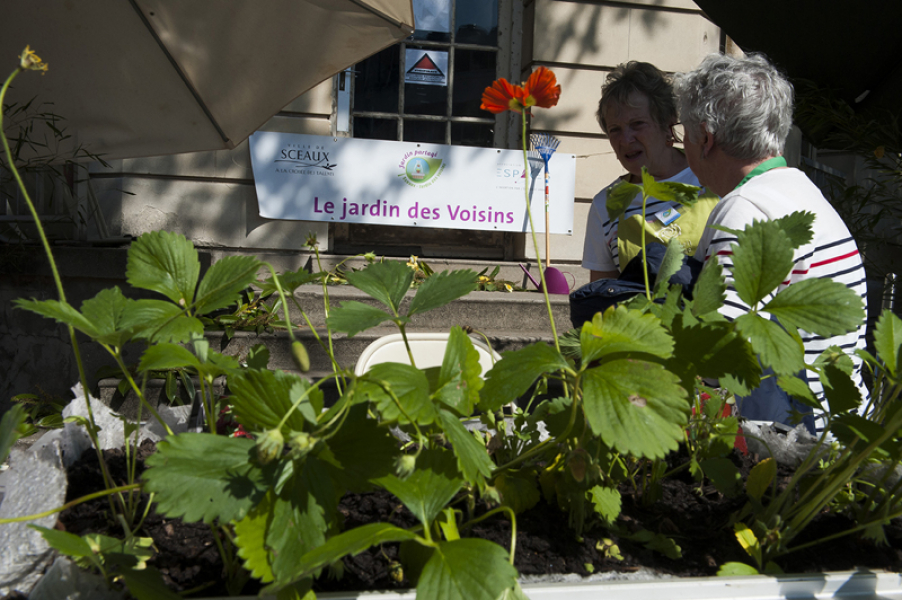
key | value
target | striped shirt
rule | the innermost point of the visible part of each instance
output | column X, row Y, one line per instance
column 831, row 253
column 600, row 251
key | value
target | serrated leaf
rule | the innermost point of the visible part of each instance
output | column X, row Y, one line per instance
column 467, row 569
column 514, row 593
column 713, row 350
column 410, row 387
column 798, row 226
column 515, row 373
column 59, row 311
column 224, row 281
column 776, row 348
column 440, row 289
column 747, row 539
column 620, row 196
column 607, row 502
column 658, row 542
column 459, row 378
column 290, row 281
column 887, row 339
column 670, row 265
column 166, row 356
column 250, row 538
column 853, row 429
column 258, row 357
column 840, row 390
column 165, row 263
column 147, row 584
column 472, row 458
column 761, row 261
column 201, row 476
column 760, row 478
column 669, row 191
column 519, row 490
column 352, row 317
column 637, row 407
column 350, row 542
column 106, row 312
column 620, row 329
column 736, row 569
column 261, row 399
column 386, row 282
column 709, row 292
column 723, row 474
column 427, row 490
column 819, row 306
column 161, row 321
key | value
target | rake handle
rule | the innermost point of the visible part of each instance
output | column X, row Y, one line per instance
column 547, row 224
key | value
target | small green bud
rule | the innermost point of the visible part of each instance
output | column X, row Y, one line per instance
column 405, row 464
column 302, row 443
column 269, row 446
column 301, row 358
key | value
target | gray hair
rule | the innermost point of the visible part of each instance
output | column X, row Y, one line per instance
column 745, row 103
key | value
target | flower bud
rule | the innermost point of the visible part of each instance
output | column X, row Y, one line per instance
column 302, row 443
column 405, row 464
column 301, row 358
column 269, row 446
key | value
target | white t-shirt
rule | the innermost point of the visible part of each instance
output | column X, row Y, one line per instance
column 600, row 251
column 831, row 253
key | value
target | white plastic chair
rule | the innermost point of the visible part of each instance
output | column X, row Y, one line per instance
column 428, row 351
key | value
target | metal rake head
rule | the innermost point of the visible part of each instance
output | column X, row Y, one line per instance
column 545, row 144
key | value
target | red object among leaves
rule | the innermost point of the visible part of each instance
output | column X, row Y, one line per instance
column 541, row 89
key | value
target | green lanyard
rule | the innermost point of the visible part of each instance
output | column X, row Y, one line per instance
column 771, row 163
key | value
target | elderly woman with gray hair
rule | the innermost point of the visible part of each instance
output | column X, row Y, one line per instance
column 736, row 114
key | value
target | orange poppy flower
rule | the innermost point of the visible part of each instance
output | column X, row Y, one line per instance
column 540, row 89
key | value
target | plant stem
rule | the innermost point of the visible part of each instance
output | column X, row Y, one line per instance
column 76, row 502
column 513, row 518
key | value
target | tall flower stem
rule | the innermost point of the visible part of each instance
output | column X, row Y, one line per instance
column 532, row 230
column 92, row 430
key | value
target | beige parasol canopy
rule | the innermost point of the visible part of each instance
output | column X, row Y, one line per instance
column 150, row 77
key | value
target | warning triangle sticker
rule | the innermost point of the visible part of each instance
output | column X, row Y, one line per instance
column 425, row 65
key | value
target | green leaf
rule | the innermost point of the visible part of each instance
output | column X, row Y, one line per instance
column 747, row 539
column 735, row 569
column 669, row 191
column 620, row 329
column 798, row 389
column 440, row 289
column 670, row 265
column 761, row 261
column 410, row 387
column 713, row 350
column 798, row 226
column 224, row 281
column 851, row 429
column 776, row 348
column 261, row 399
column 106, row 312
column 819, row 306
column 165, row 263
column 350, row 542
column 290, row 281
column 887, row 339
column 620, row 196
column 637, row 407
column 386, row 281
column 12, row 419
column 64, row 542
column 840, row 390
column 515, row 373
column 427, row 490
column 472, row 458
column 607, row 502
column 723, row 474
column 709, row 292
column 250, row 538
column 519, row 490
column 201, row 476
column 352, row 317
column 361, row 450
column 760, row 478
column 467, row 569
column 657, row 542
column 166, row 356
column 147, row 584
column 459, row 379
column 258, row 357
column 61, row 312
column 161, row 321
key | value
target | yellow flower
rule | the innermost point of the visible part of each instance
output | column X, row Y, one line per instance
column 508, row 287
column 412, row 263
column 483, row 279
column 29, row 61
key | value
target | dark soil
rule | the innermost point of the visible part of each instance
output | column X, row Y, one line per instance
column 698, row 519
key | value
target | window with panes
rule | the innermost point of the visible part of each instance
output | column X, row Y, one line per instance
column 428, row 88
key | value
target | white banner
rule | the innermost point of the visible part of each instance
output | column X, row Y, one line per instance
column 347, row 180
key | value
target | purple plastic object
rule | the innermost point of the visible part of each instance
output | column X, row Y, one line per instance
column 556, row 280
